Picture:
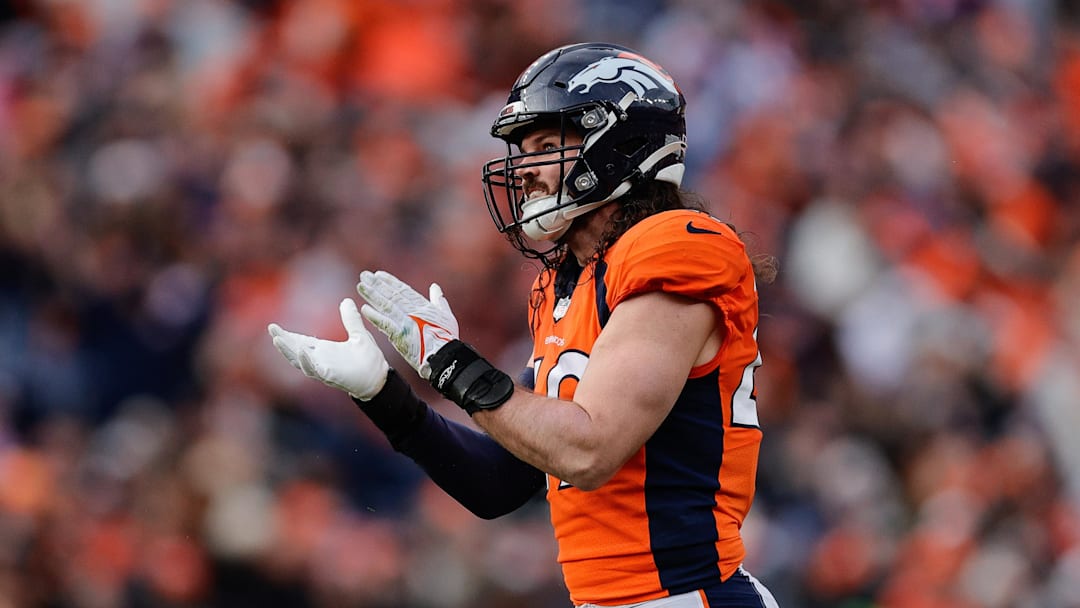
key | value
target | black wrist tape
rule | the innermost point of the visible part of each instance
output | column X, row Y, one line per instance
column 467, row 379
column 395, row 410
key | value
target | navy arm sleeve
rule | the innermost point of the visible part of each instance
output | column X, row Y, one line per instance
column 471, row 466
column 468, row 465
column 526, row 379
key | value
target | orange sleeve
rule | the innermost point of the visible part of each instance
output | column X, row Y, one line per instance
column 686, row 253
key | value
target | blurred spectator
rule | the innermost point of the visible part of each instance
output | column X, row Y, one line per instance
column 174, row 174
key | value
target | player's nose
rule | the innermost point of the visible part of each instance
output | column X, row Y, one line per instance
column 526, row 171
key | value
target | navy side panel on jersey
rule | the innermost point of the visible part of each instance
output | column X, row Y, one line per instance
column 682, row 461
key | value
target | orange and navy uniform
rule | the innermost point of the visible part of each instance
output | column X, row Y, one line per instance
column 668, row 522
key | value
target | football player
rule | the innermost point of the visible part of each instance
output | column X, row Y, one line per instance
column 638, row 411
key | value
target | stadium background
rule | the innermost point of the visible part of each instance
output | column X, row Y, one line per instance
column 176, row 174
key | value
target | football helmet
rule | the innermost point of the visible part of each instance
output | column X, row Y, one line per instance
column 629, row 114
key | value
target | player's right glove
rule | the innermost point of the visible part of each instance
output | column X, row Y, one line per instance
column 356, row 366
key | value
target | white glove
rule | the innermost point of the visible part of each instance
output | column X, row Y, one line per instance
column 417, row 326
column 356, row 366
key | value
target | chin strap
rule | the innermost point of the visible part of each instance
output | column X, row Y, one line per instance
column 545, row 226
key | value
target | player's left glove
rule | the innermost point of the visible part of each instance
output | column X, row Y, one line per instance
column 417, row 326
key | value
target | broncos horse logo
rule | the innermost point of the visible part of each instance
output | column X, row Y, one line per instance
column 628, row 69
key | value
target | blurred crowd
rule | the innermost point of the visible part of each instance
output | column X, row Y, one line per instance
column 176, row 174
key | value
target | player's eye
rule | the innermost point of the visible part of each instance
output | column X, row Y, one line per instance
column 541, row 145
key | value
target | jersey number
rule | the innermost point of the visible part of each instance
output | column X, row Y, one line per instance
column 744, row 401
column 570, row 364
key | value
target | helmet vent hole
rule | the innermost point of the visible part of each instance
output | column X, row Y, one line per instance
column 560, row 84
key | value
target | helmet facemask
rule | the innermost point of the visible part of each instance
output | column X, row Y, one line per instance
column 546, row 217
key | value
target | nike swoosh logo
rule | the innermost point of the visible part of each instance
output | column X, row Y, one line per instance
column 436, row 330
column 692, row 229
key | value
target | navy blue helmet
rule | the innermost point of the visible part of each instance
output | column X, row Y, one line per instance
column 628, row 112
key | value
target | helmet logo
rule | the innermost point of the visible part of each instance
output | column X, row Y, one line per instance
column 627, row 69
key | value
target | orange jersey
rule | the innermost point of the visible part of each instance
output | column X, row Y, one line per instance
column 669, row 520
